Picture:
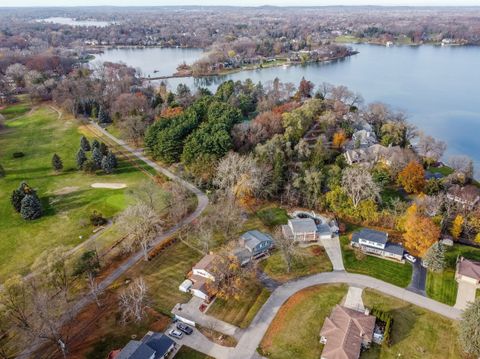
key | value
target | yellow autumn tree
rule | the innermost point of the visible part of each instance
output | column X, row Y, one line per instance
column 420, row 232
column 457, row 226
column 477, row 238
column 339, row 139
column 412, row 177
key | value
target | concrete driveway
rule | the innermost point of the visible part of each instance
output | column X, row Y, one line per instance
column 466, row 294
column 334, row 252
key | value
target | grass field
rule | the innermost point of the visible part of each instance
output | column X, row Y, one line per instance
column 388, row 271
column 416, row 333
column 15, row 110
column 67, row 198
column 241, row 311
column 442, row 286
column 310, row 261
column 164, row 273
column 189, row 353
column 294, row 333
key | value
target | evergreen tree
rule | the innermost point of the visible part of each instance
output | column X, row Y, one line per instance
column 57, row 163
column 81, row 158
column 434, row 259
column 469, row 334
column 18, row 194
column 103, row 116
column 84, row 144
column 2, row 171
column 103, row 149
column 97, row 157
column 95, row 144
column 31, row 207
column 89, row 166
column 108, row 162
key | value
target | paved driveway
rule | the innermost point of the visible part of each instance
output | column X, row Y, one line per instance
column 354, row 300
column 466, row 294
column 419, row 278
column 334, row 252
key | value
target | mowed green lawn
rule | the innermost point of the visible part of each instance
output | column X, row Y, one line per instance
column 240, row 311
column 68, row 199
column 294, row 333
column 392, row 272
column 442, row 286
column 416, row 332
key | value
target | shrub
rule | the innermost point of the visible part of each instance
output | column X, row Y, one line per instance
column 57, row 163
column 97, row 219
column 2, row 171
column 18, row 154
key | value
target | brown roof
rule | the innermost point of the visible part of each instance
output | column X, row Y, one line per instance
column 206, row 262
column 469, row 268
column 345, row 330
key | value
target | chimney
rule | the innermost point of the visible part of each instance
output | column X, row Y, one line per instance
column 367, row 311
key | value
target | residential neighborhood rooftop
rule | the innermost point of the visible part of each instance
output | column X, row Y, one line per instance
column 469, row 268
column 345, row 331
column 303, row 225
column 371, row 235
column 206, row 262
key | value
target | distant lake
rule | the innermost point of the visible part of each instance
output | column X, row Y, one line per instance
column 152, row 61
column 73, row 22
column 438, row 87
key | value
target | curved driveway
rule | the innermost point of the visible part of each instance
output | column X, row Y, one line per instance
column 253, row 335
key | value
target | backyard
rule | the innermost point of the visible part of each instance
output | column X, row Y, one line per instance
column 392, row 272
column 241, row 311
column 416, row 332
column 442, row 286
column 67, row 197
column 294, row 333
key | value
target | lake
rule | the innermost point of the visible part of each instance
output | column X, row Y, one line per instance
column 438, row 87
column 73, row 22
column 152, row 61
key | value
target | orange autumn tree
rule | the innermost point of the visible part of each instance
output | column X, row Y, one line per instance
column 412, row 177
column 339, row 139
column 420, row 231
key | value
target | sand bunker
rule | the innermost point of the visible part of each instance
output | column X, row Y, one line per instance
column 65, row 190
column 109, row 185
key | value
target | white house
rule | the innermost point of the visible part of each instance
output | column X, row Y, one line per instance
column 300, row 229
column 375, row 242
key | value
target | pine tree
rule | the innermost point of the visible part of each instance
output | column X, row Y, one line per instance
column 108, row 162
column 84, row 144
column 57, row 163
column 434, row 259
column 103, row 116
column 18, row 194
column 31, row 207
column 469, row 334
column 103, row 148
column 97, row 158
column 81, row 158
column 95, row 144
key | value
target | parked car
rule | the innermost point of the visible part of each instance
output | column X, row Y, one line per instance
column 175, row 334
column 184, row 328
column 410, row 258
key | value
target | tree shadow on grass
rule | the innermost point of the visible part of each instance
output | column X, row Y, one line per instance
column 404, row 319
column 62, row 203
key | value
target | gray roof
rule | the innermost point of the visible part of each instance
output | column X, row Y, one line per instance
column 136, row 350
column 324, row 229
column 253, row 238
column 394, row 249
column 160, row 343
column 371, row 235
column 302, row 225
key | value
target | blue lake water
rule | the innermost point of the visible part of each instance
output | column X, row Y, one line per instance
column 438, row 87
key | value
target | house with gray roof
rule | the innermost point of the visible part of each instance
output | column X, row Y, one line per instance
column 300, row 230
column 253, row 245
column 376, row 243
column 152, row 346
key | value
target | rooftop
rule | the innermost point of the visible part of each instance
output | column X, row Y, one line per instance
column 469, row 268
column 206, row 262
column 371, row 235
column 302, row 225
column 345, row 330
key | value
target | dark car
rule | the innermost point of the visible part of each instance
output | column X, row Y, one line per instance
column 184, row 328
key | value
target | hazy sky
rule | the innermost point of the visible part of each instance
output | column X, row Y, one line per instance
column 232, row 2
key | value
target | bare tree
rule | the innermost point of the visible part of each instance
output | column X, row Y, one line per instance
column 177, row 202
column 359, row 185
column 462, row 165
column 287, row 247
column 149, row 193
column 429, row 148
column 141, row 225
column 132, row 301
